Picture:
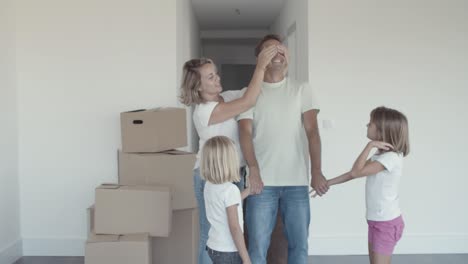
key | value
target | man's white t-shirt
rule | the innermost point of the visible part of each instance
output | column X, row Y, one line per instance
column 228, row 128
column 217, row 198
column 279, row 140
column 382, row 189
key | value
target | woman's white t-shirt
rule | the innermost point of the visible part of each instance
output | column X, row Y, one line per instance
column 217, row 198
column 382, row 189
column 228, row 128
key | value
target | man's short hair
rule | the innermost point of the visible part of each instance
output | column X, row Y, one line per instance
column 259, row 46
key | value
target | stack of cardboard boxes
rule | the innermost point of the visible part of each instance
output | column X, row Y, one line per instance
column 150, row 216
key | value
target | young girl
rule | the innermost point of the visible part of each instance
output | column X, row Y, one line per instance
column 223, row 202
column 388, row 132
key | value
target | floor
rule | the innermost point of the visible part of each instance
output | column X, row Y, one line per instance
column 398, row 259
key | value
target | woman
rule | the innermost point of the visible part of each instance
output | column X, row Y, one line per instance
column 214, row 115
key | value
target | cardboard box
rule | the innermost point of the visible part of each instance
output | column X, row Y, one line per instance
column 182, row 245
column 153, row 130
column 174, row 168
column 115, row 249
column 121, row 210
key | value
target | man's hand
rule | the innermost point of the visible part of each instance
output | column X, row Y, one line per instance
column 255, row 181
column 319, row 183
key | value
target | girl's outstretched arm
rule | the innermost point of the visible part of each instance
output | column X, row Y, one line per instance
column 362, row 166
column 340, row 179
column 337, row 180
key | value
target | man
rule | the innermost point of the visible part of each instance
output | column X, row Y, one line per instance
column 272, row 141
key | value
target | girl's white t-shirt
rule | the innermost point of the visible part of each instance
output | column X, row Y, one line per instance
column 382, row 189
column 228, row 128
column 217, row 198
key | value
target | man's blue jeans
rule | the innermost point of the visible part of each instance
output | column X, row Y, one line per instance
column 262, row 209
column 199, row 186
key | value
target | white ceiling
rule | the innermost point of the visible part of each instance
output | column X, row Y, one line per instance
column 222, row 14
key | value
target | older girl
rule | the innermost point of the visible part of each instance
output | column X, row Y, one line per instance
column 388, row 132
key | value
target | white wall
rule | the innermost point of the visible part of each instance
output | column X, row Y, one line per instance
column 188, row 47
column 10, row 237
column 411, row 55
column 79, row 64
column 295, row 11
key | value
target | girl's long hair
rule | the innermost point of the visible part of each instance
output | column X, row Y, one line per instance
column 220, row 161
column 392, row 126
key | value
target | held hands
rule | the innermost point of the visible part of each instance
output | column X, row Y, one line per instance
column 319, row 184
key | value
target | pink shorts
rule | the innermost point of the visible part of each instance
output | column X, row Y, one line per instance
column 383, row 235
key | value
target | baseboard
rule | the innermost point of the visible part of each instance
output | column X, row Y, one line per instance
column 409, row 244
column 53, row 246
column 11, row 253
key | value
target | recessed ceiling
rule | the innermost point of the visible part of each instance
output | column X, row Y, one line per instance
column 236, row 14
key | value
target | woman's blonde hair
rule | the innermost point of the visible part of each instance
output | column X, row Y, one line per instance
column 191, row 81
column 392, row 127
column 219, row 161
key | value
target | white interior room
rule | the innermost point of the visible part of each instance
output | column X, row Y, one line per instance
column 69, row 68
